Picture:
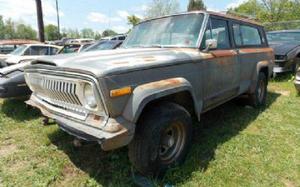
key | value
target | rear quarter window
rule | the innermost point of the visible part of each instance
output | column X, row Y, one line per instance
column 250, row 35
column 245, row 35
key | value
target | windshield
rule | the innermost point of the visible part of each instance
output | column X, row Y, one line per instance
column 284, row 37
column 102, row 45
column 173, row 31
column 71, row 48
column 19, row 51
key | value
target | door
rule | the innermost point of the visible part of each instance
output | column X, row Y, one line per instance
column 250, row 44
column 222, row 71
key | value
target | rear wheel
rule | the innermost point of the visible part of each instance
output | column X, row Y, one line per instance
column 161, row 140
column 258, row 98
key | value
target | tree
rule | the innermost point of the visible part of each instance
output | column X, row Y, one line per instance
column 25, row 32
column 133, row 20
column 2, row 28
column 108, row 32
column 51, row 32
column 9, row 29
column 87, row 33
column 273, row 13
column 196, row 5
column 162, row 7
column 97, row 36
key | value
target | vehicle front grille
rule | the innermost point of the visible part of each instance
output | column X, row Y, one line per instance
column 57, row 91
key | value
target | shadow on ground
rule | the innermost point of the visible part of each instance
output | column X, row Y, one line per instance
column 216, row 127
column 18, row 110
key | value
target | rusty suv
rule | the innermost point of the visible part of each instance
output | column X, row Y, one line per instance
column 144, row 94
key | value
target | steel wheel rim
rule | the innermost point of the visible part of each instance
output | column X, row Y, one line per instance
column 172, row 142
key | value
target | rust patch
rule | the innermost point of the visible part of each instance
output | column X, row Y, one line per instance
column 124, row 62
column 149, row 58
column 223, row 53
column 256, row 50
column 163, row 83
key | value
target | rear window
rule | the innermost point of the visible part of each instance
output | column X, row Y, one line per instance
column 246, row 35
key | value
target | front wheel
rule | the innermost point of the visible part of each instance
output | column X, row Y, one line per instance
column 161, row 140
column 258, row 98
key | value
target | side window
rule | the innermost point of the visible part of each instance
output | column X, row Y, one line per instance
column 39, row 51
column 250, row 35
column 218, row 30
column 53, row 51
column 237, row 34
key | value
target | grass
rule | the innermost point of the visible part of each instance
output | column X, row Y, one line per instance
column 233, row 145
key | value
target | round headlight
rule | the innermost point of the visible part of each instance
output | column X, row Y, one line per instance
column 89, row 95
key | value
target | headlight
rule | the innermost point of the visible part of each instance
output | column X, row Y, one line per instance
column 89, row 96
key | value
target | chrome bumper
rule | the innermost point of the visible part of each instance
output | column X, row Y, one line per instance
column 111, row 134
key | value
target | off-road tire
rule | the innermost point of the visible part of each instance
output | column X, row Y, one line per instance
column 259, row 97
column 146, row 151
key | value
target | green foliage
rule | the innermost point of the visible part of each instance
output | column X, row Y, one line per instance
column 87, row 33
column 15, row 30
column 196, row 5
column 161, row 8
column 133, row 20
column 70, row 33
column 51, row 32
column 275, row 14
column 243, row 146
column 108, row 32
column 2, row 28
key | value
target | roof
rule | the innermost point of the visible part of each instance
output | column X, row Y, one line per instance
column 280, row 31
column 43, row 45
column 18, row 42
column 225, row 15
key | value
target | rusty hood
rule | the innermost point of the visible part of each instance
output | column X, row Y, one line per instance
column 117, row 61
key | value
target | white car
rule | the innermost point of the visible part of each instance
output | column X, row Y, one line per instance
column 31, row 52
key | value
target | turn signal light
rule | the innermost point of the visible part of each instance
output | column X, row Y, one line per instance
column 121, row 92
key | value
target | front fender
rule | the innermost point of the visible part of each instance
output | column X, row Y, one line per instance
column 144, row 94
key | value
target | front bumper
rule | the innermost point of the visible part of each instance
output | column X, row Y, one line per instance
column 116, row 132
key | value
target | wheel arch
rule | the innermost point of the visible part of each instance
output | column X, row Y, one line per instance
column 177, row 90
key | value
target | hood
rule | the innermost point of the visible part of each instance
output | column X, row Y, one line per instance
column 283, row 48
column 107, row 62
column 9, row 69
column 4, row 56
column 14, row 59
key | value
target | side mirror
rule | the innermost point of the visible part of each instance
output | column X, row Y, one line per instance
column 211, row 44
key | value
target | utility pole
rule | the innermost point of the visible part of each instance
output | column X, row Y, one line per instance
column 57, row 13
column 40, row 20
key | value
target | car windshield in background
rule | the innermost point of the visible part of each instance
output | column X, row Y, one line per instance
column 72, row 48
column 173, row 31
column 103, row 45
column 284, row 37
column 19, row 50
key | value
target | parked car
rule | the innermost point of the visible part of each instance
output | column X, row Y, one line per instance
column 7, row 46
column 12, row 81
column 121, row 37
column 74, row 48
column 80, row 41
column 286, row 45
column 145, row 93
column 297, row 81
column 29, row 52
column 104, row 45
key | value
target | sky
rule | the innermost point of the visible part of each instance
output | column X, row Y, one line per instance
column 96, row 14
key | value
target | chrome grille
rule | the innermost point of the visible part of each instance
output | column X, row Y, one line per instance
column 57, row 91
